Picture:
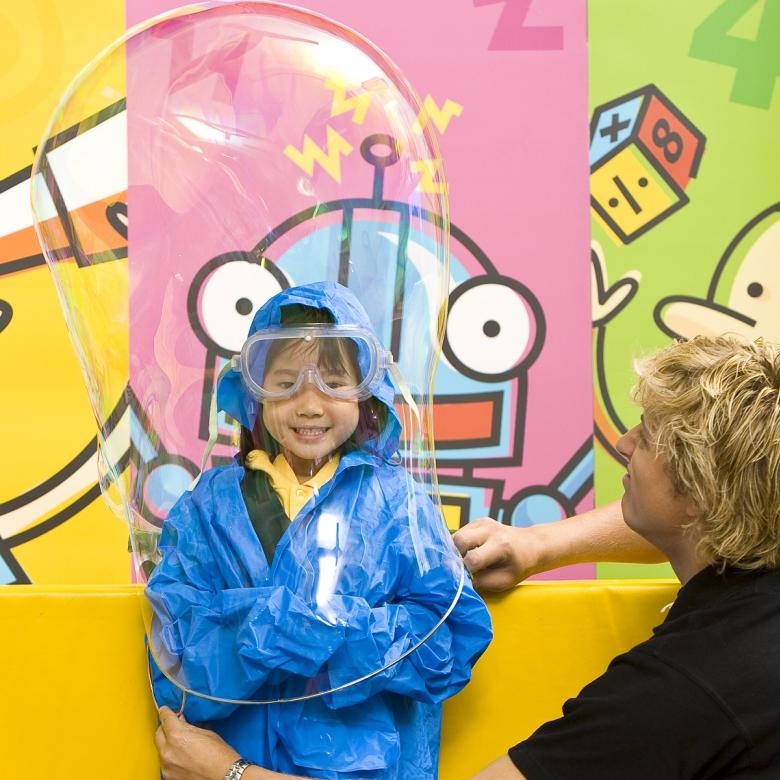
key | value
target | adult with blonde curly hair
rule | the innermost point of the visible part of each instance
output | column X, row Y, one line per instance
column 702, row 485
column 700, row 699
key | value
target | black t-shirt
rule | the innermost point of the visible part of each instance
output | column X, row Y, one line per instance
column 700, row 699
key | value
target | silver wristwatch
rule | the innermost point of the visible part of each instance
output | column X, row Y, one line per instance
column 237, row 769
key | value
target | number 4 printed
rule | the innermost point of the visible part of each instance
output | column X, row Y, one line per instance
column 757, row 61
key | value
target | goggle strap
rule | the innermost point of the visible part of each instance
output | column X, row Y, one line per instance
column 213, row 427
column 413, row 424
column 400, row 383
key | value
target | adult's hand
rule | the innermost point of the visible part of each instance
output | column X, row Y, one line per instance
column 499, row 556
column 188, row 752
column 191, row 753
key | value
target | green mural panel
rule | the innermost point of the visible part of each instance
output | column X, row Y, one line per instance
column 685, row 94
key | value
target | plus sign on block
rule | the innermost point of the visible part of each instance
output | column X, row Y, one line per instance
column 643, row 153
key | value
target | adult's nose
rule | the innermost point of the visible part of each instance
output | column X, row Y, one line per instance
column 626, row 444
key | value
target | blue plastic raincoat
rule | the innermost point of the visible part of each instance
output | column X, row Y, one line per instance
column 233, row 626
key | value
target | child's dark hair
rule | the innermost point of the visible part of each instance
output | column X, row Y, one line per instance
column 332, row 354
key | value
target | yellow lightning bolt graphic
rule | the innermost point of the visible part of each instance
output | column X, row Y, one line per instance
column 358, row 104
column 429, row 171
column 439, row 116
column 330, row 161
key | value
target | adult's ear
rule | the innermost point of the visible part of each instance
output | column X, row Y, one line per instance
column 692, row 508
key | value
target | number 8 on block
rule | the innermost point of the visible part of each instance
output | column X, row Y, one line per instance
column 643, row 153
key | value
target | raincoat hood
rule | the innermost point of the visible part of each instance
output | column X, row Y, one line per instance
column 345, row 309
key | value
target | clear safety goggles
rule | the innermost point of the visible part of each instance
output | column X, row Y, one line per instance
column 342, row 361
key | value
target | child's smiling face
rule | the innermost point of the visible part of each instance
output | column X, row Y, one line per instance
column 310, row 426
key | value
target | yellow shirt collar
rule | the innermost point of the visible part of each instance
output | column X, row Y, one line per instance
column 294, row 495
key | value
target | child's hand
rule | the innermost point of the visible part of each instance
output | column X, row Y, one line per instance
column 188, row 752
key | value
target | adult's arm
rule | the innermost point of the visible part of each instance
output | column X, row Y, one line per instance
column 499, row 556
column 501, row 769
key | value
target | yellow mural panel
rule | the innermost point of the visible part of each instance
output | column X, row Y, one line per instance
column 44, row 408
column 96, row 544
column 44, row 44
column 52, row 526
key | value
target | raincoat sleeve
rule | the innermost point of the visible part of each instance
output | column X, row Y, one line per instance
column 213, row 634
column 420, row 593
column 217, row 636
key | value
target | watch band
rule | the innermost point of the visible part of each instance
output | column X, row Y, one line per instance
column 237, row 769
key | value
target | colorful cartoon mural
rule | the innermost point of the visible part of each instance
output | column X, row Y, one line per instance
column 495, row 327
column 487, row 416
column 683, row 239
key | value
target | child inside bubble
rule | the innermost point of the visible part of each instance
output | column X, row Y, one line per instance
column 312, row 561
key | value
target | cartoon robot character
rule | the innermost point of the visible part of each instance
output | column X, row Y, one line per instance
column 740, row 296
column 494, row 332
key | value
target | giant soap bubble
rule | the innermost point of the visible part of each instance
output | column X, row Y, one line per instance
column 208, row 160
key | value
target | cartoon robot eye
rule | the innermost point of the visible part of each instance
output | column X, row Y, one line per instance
column 495, row 328
column 225, row 296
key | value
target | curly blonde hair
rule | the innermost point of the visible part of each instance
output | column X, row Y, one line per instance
column 712, row 406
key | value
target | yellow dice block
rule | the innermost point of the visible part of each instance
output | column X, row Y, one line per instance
column 630, row 195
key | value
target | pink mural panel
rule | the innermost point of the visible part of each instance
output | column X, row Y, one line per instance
column 505, row 85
